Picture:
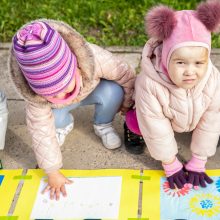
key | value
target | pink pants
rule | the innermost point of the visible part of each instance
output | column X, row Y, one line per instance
column 131, row 121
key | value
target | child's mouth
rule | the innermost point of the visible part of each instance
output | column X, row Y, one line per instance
column 189, row 81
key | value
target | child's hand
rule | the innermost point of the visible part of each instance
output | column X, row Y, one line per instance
column 196, row 179
column 56, row 184
column 178, row 179
column 175, row 174
column 196, row 172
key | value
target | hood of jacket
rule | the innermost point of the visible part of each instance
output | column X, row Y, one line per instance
column 150, row 65
column 76, row 43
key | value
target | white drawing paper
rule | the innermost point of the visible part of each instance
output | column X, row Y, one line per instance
column 87, row 198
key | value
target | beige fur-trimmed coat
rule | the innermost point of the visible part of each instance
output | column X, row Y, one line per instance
column 95, row 63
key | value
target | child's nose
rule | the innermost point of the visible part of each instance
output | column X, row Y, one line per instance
column 190, row 70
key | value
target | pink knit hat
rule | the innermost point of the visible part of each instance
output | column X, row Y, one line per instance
column 44, row 58
column 183, row 28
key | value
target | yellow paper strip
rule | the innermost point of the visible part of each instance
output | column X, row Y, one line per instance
column 151, row 195
column 7, row 189
column 129, row 193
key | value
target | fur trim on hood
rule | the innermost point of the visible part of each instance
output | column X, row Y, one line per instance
column 76, row 43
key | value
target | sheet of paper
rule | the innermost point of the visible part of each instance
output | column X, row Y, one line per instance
column 190, row 204
column 159, row 202
column 88, row 197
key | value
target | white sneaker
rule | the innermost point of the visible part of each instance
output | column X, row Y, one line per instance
column 109, row 136
column 61, row 133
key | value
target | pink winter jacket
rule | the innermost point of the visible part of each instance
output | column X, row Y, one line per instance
column 163, row 108
column 95, row 63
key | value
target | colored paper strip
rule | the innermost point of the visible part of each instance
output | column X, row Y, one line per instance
column 8, row 217
column 1, row 179
column 140, row 177
column 7, row 191
column 21, row 177
column 138, row 218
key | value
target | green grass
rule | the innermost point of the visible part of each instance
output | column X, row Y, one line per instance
column 104, row 22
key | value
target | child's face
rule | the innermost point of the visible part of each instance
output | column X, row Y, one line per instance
column 67, row 92
column 187, row 66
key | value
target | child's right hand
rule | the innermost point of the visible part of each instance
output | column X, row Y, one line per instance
column 178, row 180
column 56, row 184
column 175, row 174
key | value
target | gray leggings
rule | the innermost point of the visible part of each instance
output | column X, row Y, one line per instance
column 3, row 119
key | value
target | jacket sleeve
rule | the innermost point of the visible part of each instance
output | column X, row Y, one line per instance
column 110, row 67
column 154, row 126
column 206, row 134
column 40, row 123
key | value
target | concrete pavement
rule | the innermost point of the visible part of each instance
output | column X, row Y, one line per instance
column 82, row 149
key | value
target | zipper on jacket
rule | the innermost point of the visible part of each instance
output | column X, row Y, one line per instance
column 190, row 107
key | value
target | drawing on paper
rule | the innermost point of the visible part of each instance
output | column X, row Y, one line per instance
column 205, row 204
column 190, row 204
column 218, row 184
column 175, row 192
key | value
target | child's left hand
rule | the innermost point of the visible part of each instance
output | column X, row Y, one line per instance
column 196, row 172
column 196, row 179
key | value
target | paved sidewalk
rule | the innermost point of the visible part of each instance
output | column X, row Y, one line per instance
column 82, row 149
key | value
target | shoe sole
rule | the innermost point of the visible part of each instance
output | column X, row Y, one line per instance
column 136, row 152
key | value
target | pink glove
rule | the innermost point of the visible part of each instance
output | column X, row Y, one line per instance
column 175, row 174
column 196, row 172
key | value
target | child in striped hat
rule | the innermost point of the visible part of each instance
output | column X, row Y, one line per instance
column 55, row 70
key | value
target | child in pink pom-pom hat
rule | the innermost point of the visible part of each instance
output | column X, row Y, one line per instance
column 178, row 90
column 55, row 70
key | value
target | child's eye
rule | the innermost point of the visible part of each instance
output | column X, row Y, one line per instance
column 180, row 62
column 199, row 63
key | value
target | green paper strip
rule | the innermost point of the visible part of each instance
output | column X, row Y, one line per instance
column 20, row 177
column 140, row 177
column 8, row 217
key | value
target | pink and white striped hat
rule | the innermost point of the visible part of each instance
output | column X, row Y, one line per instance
column 44, row 58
